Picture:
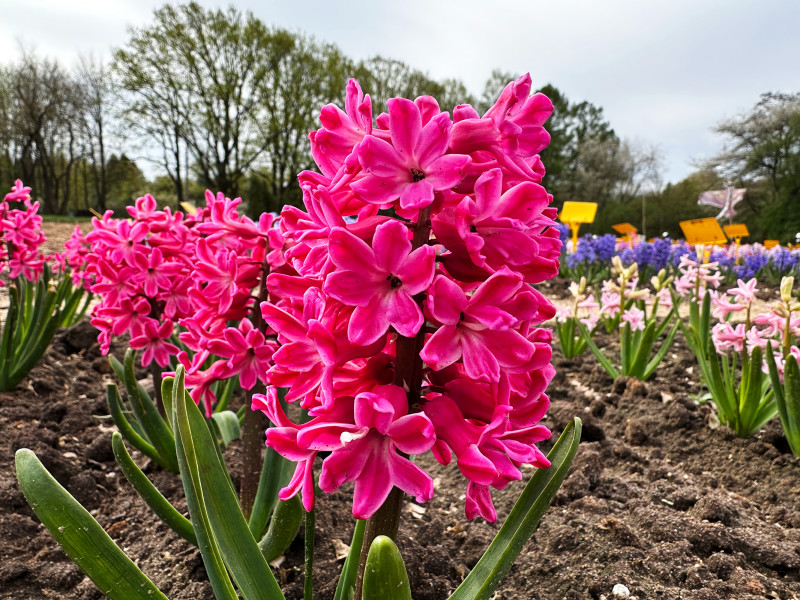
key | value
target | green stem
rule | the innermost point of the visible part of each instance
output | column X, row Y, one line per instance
column 255, row 422
column 308, row 582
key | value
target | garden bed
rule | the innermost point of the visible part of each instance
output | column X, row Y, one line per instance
column 658, row 499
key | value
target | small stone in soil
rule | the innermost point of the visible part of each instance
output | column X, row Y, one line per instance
column 620, row 591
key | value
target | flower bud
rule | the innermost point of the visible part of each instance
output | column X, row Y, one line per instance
column 616, row 262
column 787, row 283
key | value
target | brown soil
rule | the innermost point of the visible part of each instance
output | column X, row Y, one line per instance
column 658, row 499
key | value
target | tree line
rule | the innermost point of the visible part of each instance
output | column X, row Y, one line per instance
column 217, row 98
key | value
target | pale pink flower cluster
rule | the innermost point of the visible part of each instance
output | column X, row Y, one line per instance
column 696, row 276
column 766, row 328
column 397, row 341
column 20, row 235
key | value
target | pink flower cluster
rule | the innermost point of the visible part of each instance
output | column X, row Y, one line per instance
column 403, row 304
column 231, row 259
column 20, row 235
column 140, row 267
column 696, row 276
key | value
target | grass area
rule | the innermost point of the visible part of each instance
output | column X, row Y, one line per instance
column 66, row 219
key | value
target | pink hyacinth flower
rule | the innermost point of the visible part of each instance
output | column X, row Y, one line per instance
column 480, row 328
column 725, row 336
column 248, row 352
column 153, row 342
column 635, row 318
column 379, row 281
column 414, row 165
column 366, row 452
column 745, row 291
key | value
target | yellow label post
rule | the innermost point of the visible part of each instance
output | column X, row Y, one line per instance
column 575, row 213
column 736, row 231
column 626, row 230
column 771, row 243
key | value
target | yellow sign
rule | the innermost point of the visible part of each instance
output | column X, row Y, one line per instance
column 578, row 212
column 624, row 228
column 771, row 243
column 575, row 213
column 189, row 208
column 627, row 231
column 703, row 231
column 737, row 230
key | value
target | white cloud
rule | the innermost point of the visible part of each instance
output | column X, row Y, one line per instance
column 664, row 72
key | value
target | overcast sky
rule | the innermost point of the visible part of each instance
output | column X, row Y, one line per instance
column 665, row 72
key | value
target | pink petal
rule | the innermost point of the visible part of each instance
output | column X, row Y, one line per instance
column 381, row 159
column 418, row 270
column 380, row 190
column 413, row 434
column 443, row 348
column 475, row 466
column 417, row 195
column 368, row 323
column 403, row 313
column 372, row 487
column 410, row 478
column 446, row 301
column 433, row 140
column 405, row 123
column 345, row 464
column 479, row 362
column 350, row 253
column 391, row 246
column 447, row 172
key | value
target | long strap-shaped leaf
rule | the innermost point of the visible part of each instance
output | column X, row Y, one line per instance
column 662, row 352
column 347, row 579
column 645, row 346
column 598, row 354
column 125, row 427
column 157, row 429
column 792, row 404
column 80, row 536
column 482, row 581
column 150, row 494
column 212, row 488
column 190, row 475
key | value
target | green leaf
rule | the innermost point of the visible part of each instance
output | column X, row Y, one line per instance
column 601, row 358
column 227, row 423
column 483, row 580
column 345, row 589
column 283, row 527
column 150, row 494
column 662, row 352
column 190, row 475
column 791, row 427
column 158, row 432
column 80, row 536
column 642, row 351
column 385, row 576
column 226, row 522
column 128, row 432
column 275, row 472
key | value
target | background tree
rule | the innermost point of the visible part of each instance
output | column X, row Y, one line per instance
column 304, row 75
column 764, row 156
